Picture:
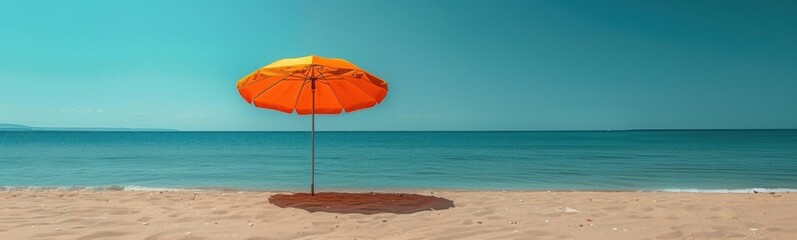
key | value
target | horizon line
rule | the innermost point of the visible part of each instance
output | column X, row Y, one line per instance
column 293, row 131
column 22, row 127
column 553, row 130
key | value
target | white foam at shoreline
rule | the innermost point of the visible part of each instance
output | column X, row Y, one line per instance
column 95, row 188
column 167, row 189
column 156, row 189
column 744, row 190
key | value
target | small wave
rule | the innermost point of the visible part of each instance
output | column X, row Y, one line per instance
column 94, row 188
column 167, row 189
column 54, row 188
column 157, row 189
column 744, row 190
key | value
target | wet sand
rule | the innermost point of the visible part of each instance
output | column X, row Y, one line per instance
column 26, row 214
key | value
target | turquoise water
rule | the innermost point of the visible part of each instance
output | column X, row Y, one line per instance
column 592, row 160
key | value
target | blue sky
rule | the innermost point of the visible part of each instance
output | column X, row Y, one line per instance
column 451, row 65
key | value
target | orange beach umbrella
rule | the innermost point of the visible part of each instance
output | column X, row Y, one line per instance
column 312, row 85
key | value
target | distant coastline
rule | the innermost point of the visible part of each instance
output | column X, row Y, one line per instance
column 6, row 127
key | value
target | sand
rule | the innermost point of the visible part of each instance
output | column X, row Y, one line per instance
column 26, row 214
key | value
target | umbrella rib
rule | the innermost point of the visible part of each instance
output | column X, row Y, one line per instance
column 297, row 78
column 366, row 93
column 334, row 93
column 325, row 78
column 299, row 95
column 322, row 75
column 269, row 87
column 254, row 76
column 372, row 80
column 262, row 79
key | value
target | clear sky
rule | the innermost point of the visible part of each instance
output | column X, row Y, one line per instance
column 451, row 65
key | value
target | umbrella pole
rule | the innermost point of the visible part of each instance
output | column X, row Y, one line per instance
column 312, row 142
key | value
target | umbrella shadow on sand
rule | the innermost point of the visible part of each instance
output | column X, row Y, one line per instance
column 364, row 203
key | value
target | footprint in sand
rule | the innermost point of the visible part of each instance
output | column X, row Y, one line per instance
column 103, row 235
column 485, row 212
column 220, row 212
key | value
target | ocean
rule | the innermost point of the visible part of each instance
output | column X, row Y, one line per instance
column 690, row 161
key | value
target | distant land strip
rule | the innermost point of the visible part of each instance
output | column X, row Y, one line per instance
column 19, row 127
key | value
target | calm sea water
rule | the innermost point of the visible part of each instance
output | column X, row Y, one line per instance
column 617, row 160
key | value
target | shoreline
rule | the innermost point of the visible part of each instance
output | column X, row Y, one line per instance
column 390, row 190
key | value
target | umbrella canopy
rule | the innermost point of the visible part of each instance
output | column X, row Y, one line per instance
column 286, row 85
column 311, row 85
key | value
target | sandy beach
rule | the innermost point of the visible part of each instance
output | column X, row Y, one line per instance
column 85, row 214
